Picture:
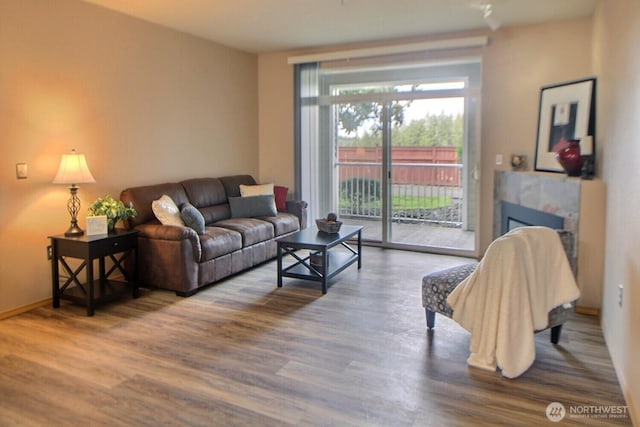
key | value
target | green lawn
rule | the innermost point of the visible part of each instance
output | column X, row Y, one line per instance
column 405, row 202
column 419, row 202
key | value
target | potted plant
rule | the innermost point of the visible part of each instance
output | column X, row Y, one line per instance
column 113, row 209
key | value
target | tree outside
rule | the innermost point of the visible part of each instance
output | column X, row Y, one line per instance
column 417, row 135
column 432, row 131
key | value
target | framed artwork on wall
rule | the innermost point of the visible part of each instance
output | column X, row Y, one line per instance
column 567, row 111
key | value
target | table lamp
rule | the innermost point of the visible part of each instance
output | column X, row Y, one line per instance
column 73, row 170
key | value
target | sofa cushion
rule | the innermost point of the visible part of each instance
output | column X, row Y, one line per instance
column 252, row 206
column 142, row 197
column 252, row 230
column 283, row 223
column 218, row 241
column 209, row 196
column 166, row 211
column 212, row 214
column 192, row 217
column 280, row 193
column 232, row 184
column 205, row 192
column 255, row 190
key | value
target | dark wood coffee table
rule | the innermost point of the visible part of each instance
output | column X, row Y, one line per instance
column 330, row 262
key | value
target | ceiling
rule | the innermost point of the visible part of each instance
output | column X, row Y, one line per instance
column 260, row 26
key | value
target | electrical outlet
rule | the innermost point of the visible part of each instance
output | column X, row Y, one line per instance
column 620, row 294
column 498, row 159
column 49, row 252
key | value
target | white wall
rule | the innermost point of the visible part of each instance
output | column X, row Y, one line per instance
column 617, row 65
column 144, row 103
column 275, row 88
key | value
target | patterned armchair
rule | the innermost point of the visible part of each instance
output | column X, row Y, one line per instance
column 437, row 286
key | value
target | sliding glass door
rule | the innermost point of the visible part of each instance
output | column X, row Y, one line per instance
column 426, row 171
column 399, row 169
column 398, row 155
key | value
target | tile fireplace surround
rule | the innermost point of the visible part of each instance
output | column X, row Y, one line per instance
column 582, row 205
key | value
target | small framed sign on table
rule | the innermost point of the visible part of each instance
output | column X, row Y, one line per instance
column 97, row 225
column 567, row 111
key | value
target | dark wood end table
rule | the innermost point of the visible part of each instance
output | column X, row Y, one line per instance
column 117, row 246
column 332, row 262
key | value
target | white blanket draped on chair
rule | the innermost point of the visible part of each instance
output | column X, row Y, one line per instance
column 522, row 276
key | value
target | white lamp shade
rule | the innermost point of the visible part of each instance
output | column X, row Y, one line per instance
column 73, row 170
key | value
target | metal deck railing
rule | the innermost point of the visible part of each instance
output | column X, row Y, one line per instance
column 421, row 192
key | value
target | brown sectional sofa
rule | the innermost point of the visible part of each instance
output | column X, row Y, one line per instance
column 179, row 259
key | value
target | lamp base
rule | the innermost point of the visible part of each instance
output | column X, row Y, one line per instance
column 74, row 231
column 73, row 206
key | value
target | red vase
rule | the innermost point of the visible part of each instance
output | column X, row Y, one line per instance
column 569, row 157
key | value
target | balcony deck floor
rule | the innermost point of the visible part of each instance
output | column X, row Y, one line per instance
column 417, row 234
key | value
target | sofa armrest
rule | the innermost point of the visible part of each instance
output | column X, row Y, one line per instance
column 172, row 233
column 299, row 209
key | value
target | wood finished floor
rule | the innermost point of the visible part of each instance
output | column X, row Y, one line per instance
column 245, row 353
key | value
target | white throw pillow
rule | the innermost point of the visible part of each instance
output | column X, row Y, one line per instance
column 166, row 211
column 256, row 190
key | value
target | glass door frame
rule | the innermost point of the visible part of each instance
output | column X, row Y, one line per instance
column 385, row 100
column 325, row 147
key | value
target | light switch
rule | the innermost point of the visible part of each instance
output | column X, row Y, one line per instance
column 21, row 170
column 498, row 159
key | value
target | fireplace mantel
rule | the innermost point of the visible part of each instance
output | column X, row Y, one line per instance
column 582, row 205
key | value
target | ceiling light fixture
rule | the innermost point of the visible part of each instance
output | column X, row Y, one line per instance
column 491, row 20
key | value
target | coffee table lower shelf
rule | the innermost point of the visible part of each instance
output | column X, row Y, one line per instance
column 337, row 263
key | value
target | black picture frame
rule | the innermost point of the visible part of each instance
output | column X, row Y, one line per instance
column 567, row 111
